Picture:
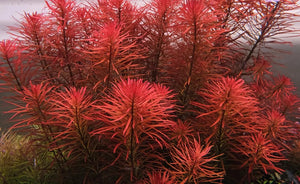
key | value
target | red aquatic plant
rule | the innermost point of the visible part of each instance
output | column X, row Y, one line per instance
column 159, row 177
column 111, row 55
column 229, row 108
column 260, row 69
column 197, row 31
column 34, row 117
column 280, row 130
column 32, row 31
column 193, row 162
column 157, row 25
column 63, row 35
column 276, row 93
column 137, row 120
column 35, row 106
column 15, row 72
column 73, row 112
column 74, row 115
column 122, row 12
column 260, row 154
column 182, row 131
column 86, row 87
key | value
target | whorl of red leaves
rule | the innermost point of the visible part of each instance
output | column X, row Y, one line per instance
column 280, row 130
column 277, row 93
column 79, row 76
column 121, row 12
column 182, row 131
column 136, row 117
column 260, row 153
column 111, row 55
column 228, row 103
column 159, row 177
column 193, row 162
column 260, row 68
column 134, row 108
column 31, row 29
column 157, row 25
column 35, row 106
column 74, row 114
column 15, row 72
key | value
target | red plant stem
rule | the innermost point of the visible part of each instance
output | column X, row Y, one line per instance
column 187, row 86
column 265, row 28
column 60, row 165
column 228, row 13
column 14, row 74
column 158, row 50
column 119, row 14
column 219, row 140
column 44, row 119
column 82, row 138
column 191, row 172
column 131, row 141
column 40, row 53
column 66, row 49
column 220, row 132
column 43, row 62
column 109, row 67
column 156, row 59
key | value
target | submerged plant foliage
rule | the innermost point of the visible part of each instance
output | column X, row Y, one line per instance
column 167, row 91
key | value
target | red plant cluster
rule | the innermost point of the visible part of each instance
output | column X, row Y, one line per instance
column 171, row 91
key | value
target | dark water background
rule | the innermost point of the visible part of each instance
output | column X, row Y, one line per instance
column 291, row 64
column 291, row 68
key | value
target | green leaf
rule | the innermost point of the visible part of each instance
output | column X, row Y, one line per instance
column 278, row 176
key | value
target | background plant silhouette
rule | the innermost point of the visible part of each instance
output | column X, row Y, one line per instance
column 170, row 91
